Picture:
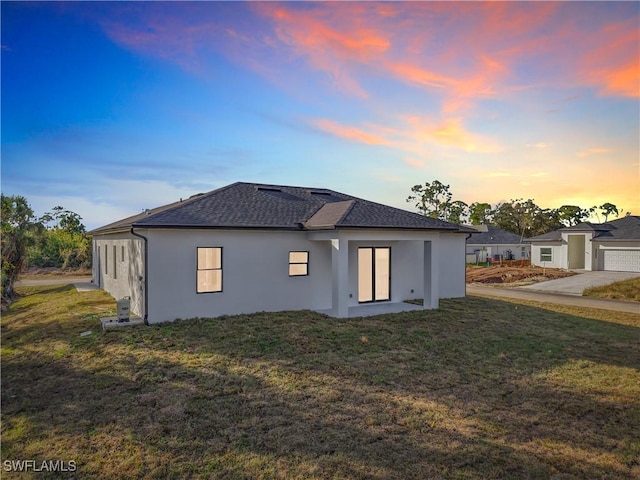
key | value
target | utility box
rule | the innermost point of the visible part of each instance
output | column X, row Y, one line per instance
column 123, row 306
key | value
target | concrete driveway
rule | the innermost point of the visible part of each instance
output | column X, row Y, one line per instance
column 576, row 284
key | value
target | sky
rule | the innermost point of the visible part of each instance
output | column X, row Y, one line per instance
column 109, row 108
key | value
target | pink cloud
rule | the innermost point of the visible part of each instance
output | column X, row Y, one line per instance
column 412, row 134
column 462, row 53
column 349, row 132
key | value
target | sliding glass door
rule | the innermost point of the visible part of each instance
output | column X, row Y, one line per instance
column 374, row 274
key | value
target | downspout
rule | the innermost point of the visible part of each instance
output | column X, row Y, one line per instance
column 146, row 276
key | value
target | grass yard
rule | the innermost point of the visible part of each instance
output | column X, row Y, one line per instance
column 478, row 389
column 624, row 290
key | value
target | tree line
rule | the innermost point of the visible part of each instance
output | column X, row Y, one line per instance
column 519, row 216
column 56, row 239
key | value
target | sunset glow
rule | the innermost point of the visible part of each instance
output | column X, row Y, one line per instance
column 499, row 100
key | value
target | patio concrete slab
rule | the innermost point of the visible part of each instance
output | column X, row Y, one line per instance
column 371, row 309
column 576, row 284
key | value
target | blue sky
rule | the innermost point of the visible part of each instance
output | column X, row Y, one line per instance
column 109, row 108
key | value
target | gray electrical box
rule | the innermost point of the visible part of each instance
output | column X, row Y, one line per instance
column 123, row 306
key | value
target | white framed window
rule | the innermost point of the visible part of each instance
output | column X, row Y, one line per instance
column 298, row 264
column 545, row 254
column 209, row 270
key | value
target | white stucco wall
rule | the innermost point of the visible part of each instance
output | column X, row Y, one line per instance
column 255, row 274
column 125, row 276
column 558, row 259
column 588, row 254
column 452, row 265
column 255, row 269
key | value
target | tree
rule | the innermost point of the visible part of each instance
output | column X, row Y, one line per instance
column 18, row 226
column 431, row 199
column 456, row 211
column 64, row 220
column 519, row 216
column 571, row 215
column 62, row 241
column 546, row 220
column 480, row 213
column 607, row 209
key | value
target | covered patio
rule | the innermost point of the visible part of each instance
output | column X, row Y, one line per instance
column 374, row 272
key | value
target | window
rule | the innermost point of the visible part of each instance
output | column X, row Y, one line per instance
column 122, row 254
column 298, row 264
column 523, row 252
column 545, row 254
column 115, row 266
column 106, row 259
column 209, row 275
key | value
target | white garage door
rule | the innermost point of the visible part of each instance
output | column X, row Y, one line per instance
column 622, row 260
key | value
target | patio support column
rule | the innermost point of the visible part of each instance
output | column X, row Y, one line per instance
column 431, row 294
column 340, row 277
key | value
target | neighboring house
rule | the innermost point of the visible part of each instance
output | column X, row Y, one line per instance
column 493, row 243
column 613, row 245
column 248, row 247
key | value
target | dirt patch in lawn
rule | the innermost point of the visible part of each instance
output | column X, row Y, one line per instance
column 514, row 275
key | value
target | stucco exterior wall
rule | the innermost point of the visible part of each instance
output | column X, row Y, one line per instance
column 570, row 249
column 452, row 265
column 122, row 275
column 255, row 275
column 255, row 269
column 558, row 256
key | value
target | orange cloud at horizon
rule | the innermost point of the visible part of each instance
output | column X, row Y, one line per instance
column 576, row 185
column 593, row 151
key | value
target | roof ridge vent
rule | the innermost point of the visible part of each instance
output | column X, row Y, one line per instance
column 268, row 189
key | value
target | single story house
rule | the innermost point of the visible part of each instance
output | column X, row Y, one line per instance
column 249, row 247
column 613, row 245
column 493, row 243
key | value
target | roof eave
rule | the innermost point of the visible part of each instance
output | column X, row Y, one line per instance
column 393, row 227
column 600, row 240
column 219, row 227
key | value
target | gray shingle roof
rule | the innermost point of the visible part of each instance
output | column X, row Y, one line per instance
column 494, row 236
column 250, row 205
column 625, row 228
column 622, row 229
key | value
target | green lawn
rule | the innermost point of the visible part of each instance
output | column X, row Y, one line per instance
column 478, row 389
column 624, row 290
